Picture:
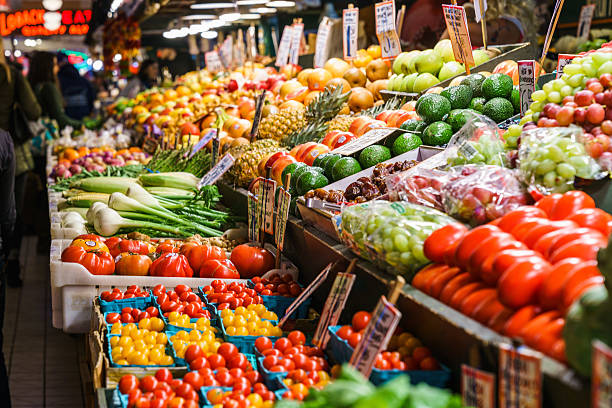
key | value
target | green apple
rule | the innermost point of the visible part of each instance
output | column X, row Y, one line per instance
column 450, row 69
column 424, row 81
column 412, row 61
column 428, row 61
column 480, row 57
column 444, row 48
column 408, row 82
column 391, row 82
column 400, row 62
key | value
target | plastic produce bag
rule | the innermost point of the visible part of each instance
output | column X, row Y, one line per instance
column 483, row 193
column 391, row 234
column 419, row 186
column 478, row 141
column 551, row 158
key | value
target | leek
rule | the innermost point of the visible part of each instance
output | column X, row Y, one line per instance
column 108, row 222
column 106, row 185
column 170, row 193
column 85, row 200
column 180, row 180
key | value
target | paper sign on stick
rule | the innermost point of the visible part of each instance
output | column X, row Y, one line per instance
column 527, row 82
column 282, row 55
column 520, row 378
column 350, row 27
column 333, row 307
column 456, row 23
column 385, row 30
column 477, row 387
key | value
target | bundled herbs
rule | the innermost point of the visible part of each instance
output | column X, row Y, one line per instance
column 178, row 160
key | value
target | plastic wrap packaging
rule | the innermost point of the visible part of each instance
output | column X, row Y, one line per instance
column 477, row 142
column 483, row 193
column 419, row 186
column 551, row 158
column 391, row 234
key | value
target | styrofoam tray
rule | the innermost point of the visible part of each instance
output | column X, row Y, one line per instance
column 73, row 288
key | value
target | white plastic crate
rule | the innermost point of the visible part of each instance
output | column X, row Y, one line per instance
column 59, row 232
column 73, row 289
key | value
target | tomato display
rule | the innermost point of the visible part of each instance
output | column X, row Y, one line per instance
column 181, row 300
column 97, row 262
column 230, row 296
column 252, row 260
column 116, row 294
column 132, row 264
column 117, row 245
column 218, row 269
column 161, row 390
column 198, row 254
column 172, row 265
column 277, row 285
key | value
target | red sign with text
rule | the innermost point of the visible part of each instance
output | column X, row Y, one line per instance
column 30, row 23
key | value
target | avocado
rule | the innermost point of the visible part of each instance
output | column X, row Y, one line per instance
column 459, row 96
column 320, row 159
column 478, row 104
column 458, row 117
column 432, row 107
column 372, row 155
column 498, row 109
column 310, row 180
column 329, row 164
column 297, row 172
column 515, row 98
column 405, row 143
column 346, row 166
column 414, row 125
column 474, row 81
column 497, row 86
column 437, row 134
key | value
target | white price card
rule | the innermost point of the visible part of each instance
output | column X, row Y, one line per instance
column 296, row 40
column 477, row 11
column 282, row 214
column 269, row 189
column 202, row 142
column 253, row 218
column 584, row 22
column 385, row 29
column 227, row 52
column 376, row 336
column 213, row 62
column 333, row 307
column 350, row 32
column 306, row 293
column 527, row 83
column 477, row 387
column 282, row 55
column 322, row 44
column 601, row 378
column 562, row 61
column 217, row 171
column 456, row 23
column 520, row 377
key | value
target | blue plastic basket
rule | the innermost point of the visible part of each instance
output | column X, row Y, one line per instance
column 116, row 305
column 203, row 390
column 171, row 331
column 280, row 304
column 119, row 399
column 270, row 377
column 109, row 325
column 434, row 378
column 169, row 351
column 338, row 348
column 245, row 344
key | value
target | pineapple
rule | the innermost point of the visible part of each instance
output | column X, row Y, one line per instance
column 248, row 157
column 277, row 125
column 341, row 123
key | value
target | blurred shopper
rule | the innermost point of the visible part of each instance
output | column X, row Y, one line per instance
column 146, row 78
column 77, row 91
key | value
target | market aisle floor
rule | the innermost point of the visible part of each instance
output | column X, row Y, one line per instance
column 42, row 361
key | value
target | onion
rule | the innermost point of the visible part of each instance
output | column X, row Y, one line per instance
column 75, row 169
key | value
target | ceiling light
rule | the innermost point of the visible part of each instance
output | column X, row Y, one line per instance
column 17, row 53
column 250, row 2
column 97, row 65
column 216, row 24
column 229, row 16
column 7, row 53
column 280, row 3
column 168, row 34
column 196, row 29
column 52, row 5
column 249, row 16
column 211, row 6
column 199, row 17
column 209, row 35
column 53, row 20
column 263, row 10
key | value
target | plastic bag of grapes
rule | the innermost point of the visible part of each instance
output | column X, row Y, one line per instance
column 483, row 193
column 419, row 186
column 477, row 142
column 551, row 158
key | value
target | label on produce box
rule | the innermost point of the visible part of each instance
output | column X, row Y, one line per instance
column 564, row 59
column 213, row 62
column 296, row 41
column 333, row 307
column 477, row 387
column 322, row 44
column 520, row 377
column 584, row 22
column 202, row 142
column 269, row 189
column 364, row 141
column 456, row 23
column 385, row 29
column 601, row 378
column 282, row 54
column 527, row 83
column 217, row 171
column 253, row 218
column 376, row 336
column 350, row 31
column 282, row 213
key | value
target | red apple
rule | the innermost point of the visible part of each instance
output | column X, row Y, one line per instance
column 275, row 157
column 342, row 139
column 279, row 165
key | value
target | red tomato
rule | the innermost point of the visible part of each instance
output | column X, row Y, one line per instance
column 438, row 243
column 91, row 237
column 252, row 260
column 515, row 324
column 547, row 203
column 354, row 339
column 550, row 293
column 458, row 297
column 193, row 351
column 194, row 379
column 270, row 361
column 549, row 334
column 97, row 263
column 470, row 242
column 519, row 285
column 238, row 360
column 487, row 309
column 439, row 282
column 282, row 344
column 585, row 248
column 344, row 332
column 499, row 319
column 515, row 217
column 493, row 244
column 424, row 276
column 504, row 260
column 227, row 350
column 527, row 225
column 113, row 318
column 129, row 245
column 592, row 218
column 570, row 203
column 148, row 383
column 171, row 265
column 454, row 285
column 163, row 375
column 546, row 241
column 216, row 361
column 297, row 337
column 127, row 383
column 532, row 330
column 132, row 264
column 198, row 254
column 166, row 247
column 219, row 269
column 361, row 320
column 475, row 299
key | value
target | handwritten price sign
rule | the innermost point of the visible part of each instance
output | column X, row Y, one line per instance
column 385, row 30
column 456, row 23
column 520, row 378
column 282, row 55
column 526, row 83
column 350, row 27
column 477, row 387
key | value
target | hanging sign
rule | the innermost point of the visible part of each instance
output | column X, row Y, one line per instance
column 601, row 378
column 217, row 171
column 296, row 39
column 282, row 214
column 30, row 23
column 322, row 44
column 253, row 218
column 584, row 22
column 385, row 29
column 527, row 82
column 520, row 377
column 456, row 23
column 562, row 61
column 213, row 62
column 282, row 55
column 477, row 387
column 269, row 188
column 333, row 307
column 350, row 27
column 227, row 52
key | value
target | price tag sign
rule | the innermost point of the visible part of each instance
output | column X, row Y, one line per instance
column 520, row 378
column 216, row 143
column 202, row 142
column 601, row 378
column 584, row 22
column 227, row 52
column 456, row 23
column 376, row 336
column 213, row 62
column 259, row 103
column 296, row 40
column 217, row 171
column 564, row 59
column 282, row 55
column 477, row 387
column 333, row 307
column 282, row 214
column 322, row 44
column 253, row 218
column 385, row 29
column 367, row 139
column 269, row 188
column 350, row 31
column 306, row 293
column 477, row 9
column 527, row 83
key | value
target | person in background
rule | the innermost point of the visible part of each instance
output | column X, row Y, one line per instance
column 77, row 91
column 146, row 78
column 43, row 79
